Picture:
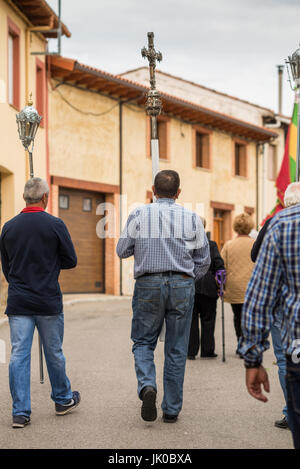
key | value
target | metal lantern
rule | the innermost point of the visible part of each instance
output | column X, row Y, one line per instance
column 293, row 66
column 294, row 63
column 28, row 121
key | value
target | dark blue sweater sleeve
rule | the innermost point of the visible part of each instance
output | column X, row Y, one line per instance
column 66, row 249
column 4, row 256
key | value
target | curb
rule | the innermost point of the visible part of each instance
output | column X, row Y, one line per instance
column 3, row 321
column 95, row 300
column 82, row 300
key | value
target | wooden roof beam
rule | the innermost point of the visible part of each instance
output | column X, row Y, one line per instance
column 58, row 73
column 28, row 2
column 42, row 19
column 73, row 77
column 109, row 88
column 32, row 9
column 129, row 95
column 87, row 81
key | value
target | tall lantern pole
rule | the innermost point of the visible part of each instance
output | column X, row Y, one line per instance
column 28, row 121
column 153, row 103
column 293, row 66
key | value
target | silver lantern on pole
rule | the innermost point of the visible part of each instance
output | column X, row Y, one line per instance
column 293, row 68
column 28, row 121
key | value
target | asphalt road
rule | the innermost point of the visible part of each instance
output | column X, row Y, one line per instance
column 217, row 411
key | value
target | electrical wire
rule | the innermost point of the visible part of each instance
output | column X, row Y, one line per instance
column 87, row 113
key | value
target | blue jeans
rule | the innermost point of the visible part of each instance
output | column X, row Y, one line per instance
column 159, row 297
column 293, row 399
column 51, row 330
column 280, row 357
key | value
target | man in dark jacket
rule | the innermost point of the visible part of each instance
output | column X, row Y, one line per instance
column 206, row 306
column 35, row 246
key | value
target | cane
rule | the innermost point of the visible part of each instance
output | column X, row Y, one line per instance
column 41, row 360
column 221, row 277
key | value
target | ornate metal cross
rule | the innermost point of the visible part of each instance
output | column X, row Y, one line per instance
column 153, row 104
column 152, row 57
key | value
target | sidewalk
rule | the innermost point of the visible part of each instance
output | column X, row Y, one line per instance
column 77, row 298
column 217, row 410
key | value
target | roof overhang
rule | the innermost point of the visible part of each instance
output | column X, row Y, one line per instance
column 39, row 13
column 73, row 72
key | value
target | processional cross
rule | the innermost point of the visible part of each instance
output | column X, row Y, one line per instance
column 153, row 109
column 153, row 103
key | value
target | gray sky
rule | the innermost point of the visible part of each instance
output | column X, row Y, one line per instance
column 232, row 46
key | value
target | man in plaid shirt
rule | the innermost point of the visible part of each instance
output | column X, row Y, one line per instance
column 170, row 250
column 275, row 284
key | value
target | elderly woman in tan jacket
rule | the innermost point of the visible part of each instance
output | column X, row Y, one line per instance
column 238, row 265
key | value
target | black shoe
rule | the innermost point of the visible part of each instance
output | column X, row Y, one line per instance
column 170, row 418
column 20, row 421
column 65, row 409
column 191, row 357
column 148, row 410
column 207, row 357
column 281, row 423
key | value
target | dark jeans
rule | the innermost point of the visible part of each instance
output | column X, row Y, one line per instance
column 206, row 307
column 293, row 399
column 157, row 298
column 51, row 330
column 237, row 317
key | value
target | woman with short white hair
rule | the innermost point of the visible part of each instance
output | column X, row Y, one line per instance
column 292, row 194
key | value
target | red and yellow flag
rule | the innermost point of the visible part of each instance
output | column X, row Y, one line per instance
column 287, row 173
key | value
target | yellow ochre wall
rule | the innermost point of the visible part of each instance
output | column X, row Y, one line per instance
column 83, row 146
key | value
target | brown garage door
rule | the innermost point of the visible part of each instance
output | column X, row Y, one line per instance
column 78, row 210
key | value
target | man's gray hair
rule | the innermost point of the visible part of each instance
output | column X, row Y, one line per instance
column 34, row 190
column 292, row 194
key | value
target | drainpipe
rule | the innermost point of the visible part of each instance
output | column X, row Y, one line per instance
column 121, row 182
column 264, row 177
column 280, row 75
column 47, row 77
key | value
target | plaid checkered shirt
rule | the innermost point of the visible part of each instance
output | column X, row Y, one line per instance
column 274, row 286
column 165, row 236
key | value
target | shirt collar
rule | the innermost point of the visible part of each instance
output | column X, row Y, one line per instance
column 32, row 209
column 165, row 199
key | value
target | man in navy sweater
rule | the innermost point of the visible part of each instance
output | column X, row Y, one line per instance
column 34, row 247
